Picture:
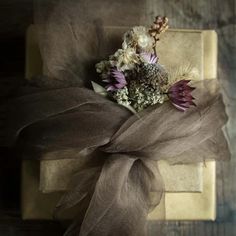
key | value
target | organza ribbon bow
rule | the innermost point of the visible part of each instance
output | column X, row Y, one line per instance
column 125, row 184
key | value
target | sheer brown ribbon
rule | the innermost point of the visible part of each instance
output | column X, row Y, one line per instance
column 120, row 176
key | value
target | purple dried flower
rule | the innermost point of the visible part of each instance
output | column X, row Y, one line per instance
column 149, row 57
column 180, row 95
column 116, row 80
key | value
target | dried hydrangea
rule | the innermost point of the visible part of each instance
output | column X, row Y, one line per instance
column 143, row 96
column 122, row 96
column 138, row 38
column 103, row 69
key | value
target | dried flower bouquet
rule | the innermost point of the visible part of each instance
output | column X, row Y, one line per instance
column 134, row 78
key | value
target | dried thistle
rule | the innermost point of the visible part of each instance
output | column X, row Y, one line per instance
column 180, row 95
column 159, row 26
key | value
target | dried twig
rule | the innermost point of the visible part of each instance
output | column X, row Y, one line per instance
column 160, row 25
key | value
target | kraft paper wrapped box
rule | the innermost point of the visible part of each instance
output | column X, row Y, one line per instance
column 188, row 186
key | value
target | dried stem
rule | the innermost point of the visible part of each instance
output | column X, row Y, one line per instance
column 160, row 25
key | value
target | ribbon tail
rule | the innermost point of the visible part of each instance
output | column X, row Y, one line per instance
column 120, row 203
column 157, row 186
column 83, row 184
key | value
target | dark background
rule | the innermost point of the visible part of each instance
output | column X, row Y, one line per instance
column 17, row 15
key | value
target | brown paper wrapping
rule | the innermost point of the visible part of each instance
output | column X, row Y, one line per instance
column 202, row 204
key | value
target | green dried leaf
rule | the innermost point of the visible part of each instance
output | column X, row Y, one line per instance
column 99, row 89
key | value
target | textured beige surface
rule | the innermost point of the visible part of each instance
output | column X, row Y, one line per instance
column 181, row 47
column 191, row 206
column 178, row 206
column 35, row 204
column 55, row 176
column 202, row 205
column 210, row 54
column 182, row 178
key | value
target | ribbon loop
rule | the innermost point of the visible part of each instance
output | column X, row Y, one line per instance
column 122, row 197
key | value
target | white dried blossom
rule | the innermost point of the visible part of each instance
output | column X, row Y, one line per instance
column 138, row 37
column 102, row 66
column 125, row 59
column 122, row 96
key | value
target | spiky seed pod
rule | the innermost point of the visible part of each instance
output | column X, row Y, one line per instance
column 153, row 75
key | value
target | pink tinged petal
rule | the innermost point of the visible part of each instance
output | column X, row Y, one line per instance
column 182, row 104
column 118, row 75
column 145, row 56
column 180, row 95
column 121, row 80
column 116, row 80
column 106, row 80
column 119, row 86
column 153, row 59
column 175, row 88
column 188, row 88
column 149, row 57
column 189, row 97
column 181, row 82
column 110, row 88
column 180, row 108
column 180, row 101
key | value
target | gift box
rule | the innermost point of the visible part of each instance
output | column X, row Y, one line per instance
column 188, row 186
column 38, row 205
